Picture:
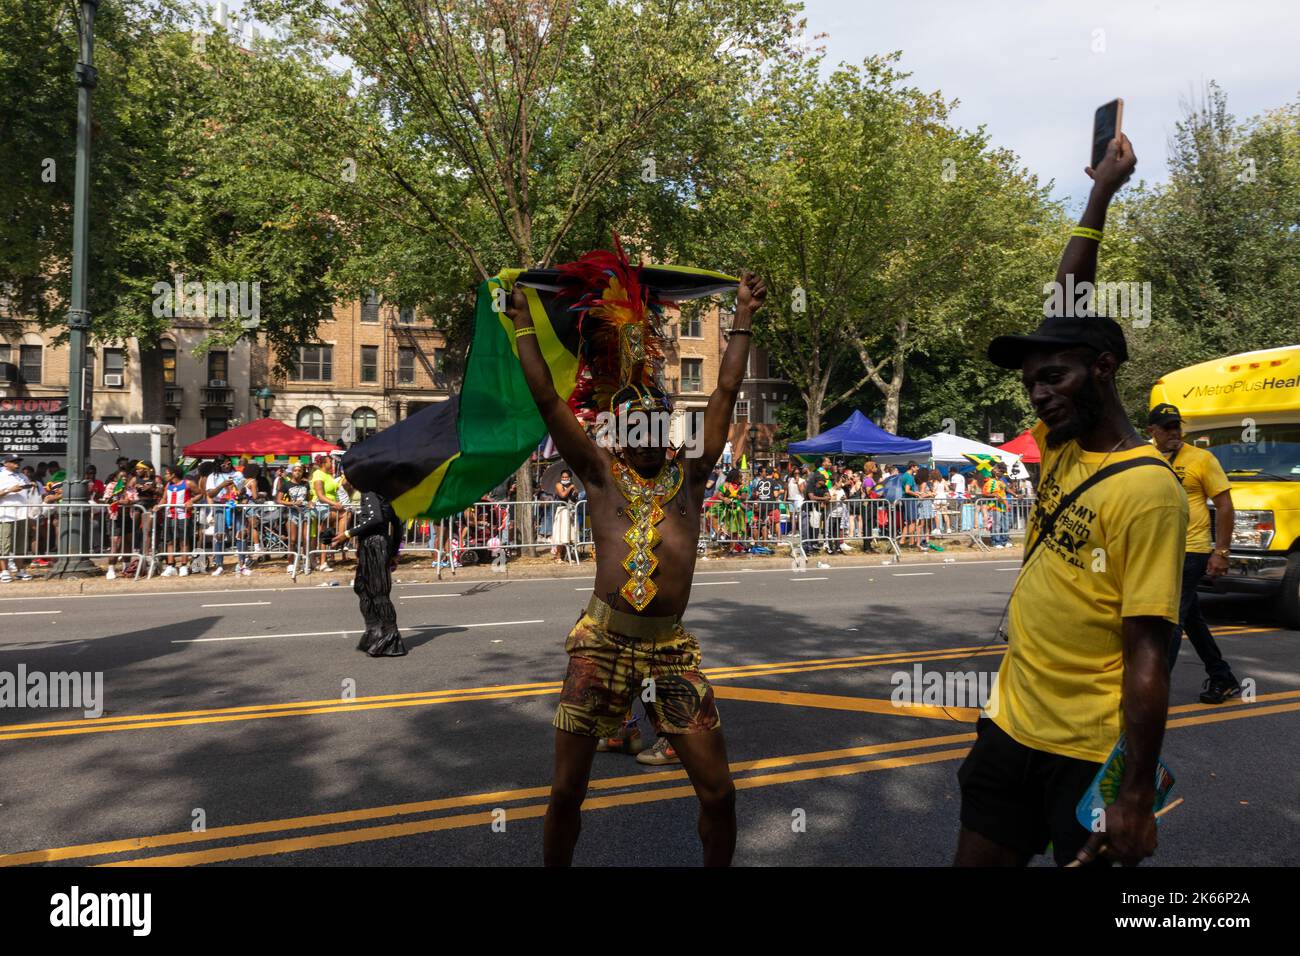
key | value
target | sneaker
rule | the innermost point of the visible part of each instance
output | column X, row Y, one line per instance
column 659, row 754
column 24, row 576
column 292, row 569
column 5, row 577
column 217, row 571
column 624, row 743
column 1219, row 691
column 245, row 570
column 40, row 563
column 111, row 573
column 169, row 571
column 846, row 549
column 184, row 571
column 324, row 567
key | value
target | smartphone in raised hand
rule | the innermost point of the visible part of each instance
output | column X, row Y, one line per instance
column 1106, row 125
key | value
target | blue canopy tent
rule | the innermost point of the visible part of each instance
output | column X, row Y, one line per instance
column 858, row 435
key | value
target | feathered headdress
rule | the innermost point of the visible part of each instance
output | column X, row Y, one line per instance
column 620, row 343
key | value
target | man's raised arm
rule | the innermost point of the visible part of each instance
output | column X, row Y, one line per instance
column 1080, row 256
column 579, row 452
column 731, row 373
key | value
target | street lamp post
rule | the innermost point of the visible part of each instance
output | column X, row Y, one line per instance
column 265, row 400
column 73, row 529
column 753, row 446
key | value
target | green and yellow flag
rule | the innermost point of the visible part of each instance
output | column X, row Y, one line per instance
column 445, row 457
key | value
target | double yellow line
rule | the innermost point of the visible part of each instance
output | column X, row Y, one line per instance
column 637, row 789
column 181, row 718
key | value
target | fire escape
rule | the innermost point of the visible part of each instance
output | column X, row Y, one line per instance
column 403, row 384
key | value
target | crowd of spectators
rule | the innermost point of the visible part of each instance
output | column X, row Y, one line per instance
column 191, row 519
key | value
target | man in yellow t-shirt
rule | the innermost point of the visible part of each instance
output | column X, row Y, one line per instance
column 1203, row 479
column 1089, row 615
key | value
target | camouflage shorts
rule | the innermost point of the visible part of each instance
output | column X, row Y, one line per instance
column 660, row 661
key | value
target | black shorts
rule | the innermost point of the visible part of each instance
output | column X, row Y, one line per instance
column 1022, row 798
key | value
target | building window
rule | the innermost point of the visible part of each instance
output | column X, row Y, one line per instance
column 370, row 363
column 216, row 426
column 6, row 353
column 29, row 358
column 406, row 315
column 366, row 423
column 439, row 360
column 218, row 367
column 315, row 363
column 312, row 419
column 169, row 364
column 691, row 327
column 692, row 375
column 741, row 413
column 114, row 364
column 405, row 365
column 370, row 307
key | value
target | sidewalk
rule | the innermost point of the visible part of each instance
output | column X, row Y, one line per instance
column 419, row 570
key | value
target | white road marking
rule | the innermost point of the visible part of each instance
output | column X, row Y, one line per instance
column 240, row 604
column 912, row 574
column 454, row 583
column 20, row 613
column 422, row 627
column 416, row 597
column 708, row 584
column 810, row 579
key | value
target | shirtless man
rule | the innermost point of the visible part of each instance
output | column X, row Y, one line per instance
column 630, row 640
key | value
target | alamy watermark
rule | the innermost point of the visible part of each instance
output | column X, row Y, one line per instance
column 922, row 688
column 211, row 300
column 642, row 429
column 1116, row 300
column 60, row 690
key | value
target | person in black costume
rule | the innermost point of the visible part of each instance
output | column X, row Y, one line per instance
column 378, row 532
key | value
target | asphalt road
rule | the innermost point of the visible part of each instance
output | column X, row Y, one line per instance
column 249, row 711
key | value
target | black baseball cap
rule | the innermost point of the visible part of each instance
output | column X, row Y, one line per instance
column 1097, row 332
column 1164, row 415
column 12, row 457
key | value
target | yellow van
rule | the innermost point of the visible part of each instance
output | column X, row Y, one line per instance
column 1246, row 410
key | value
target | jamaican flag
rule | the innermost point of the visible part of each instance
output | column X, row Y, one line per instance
column 983, row 462
column 446, row 456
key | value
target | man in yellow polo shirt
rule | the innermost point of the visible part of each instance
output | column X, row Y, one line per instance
column 1203, row 479
column 1089, row 615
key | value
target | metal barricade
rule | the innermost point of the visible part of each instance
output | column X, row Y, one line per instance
column 30, row 535
column 198, row 537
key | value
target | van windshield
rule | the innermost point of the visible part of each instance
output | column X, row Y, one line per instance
column 1273, row 456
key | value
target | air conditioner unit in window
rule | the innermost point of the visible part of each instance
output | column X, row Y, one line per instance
column 217, row 383
column 112, row 381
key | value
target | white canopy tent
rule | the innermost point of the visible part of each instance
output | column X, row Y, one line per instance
column 954, row 448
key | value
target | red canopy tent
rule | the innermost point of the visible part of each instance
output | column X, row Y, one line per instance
column 265, row 436
column 1024, row 446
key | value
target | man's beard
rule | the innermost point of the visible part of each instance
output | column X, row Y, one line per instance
column 1089, row 410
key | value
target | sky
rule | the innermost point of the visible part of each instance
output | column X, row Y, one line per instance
column 1027, row 70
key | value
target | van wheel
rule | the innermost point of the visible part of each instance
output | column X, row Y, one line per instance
column 1288, row 602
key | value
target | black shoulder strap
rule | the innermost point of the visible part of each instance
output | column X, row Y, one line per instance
column 1049, row 523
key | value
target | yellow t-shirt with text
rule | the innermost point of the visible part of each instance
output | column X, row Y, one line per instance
column 1117, row 553
column 1202, row 477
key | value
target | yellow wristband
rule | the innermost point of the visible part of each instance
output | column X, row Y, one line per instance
column 526, row 330
column 1083, row 232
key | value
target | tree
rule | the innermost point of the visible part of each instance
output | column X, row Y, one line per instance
column 1217, row 243
column 502, row 127
column 883, row 231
